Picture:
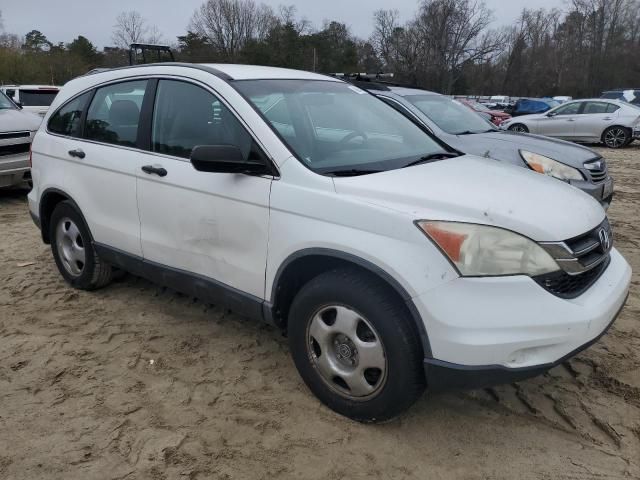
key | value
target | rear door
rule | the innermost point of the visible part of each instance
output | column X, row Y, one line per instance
column 595, row 118
column 211, row 224
column 100, row 169
column 560, row 122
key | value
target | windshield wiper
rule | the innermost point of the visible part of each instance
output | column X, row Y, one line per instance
column 432, row 157
column 351, row 172
column 469, row 132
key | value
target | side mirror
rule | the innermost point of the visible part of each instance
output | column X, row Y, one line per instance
column 225, row 159
column 551, row 114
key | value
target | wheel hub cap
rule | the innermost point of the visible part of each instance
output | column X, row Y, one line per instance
column 347, row 352
column 70, row 247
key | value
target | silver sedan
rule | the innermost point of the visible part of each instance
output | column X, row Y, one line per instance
column 612, row 122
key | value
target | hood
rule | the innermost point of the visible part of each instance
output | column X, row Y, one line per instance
column 499, row 114
column 506, row 146
column 15, row 120
column 479, row 190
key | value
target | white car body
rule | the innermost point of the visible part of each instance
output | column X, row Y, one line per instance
column 241, row 231
column 582, row 121
column 32, row 98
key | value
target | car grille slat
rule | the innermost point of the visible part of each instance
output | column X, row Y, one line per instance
column 582, row 260
column 6, row 150
column 597, row 170
column 10, row 135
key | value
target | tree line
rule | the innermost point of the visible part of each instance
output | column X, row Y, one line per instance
column 449, row 46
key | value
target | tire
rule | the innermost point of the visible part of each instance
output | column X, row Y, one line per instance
column 616, row 137
column 336, row 318
column 519, row 128
column 73, row 252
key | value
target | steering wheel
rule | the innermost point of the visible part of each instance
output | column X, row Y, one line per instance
column 352, row 135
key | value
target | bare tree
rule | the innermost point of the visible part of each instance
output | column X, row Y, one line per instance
column 229, row 24
column 130, row 28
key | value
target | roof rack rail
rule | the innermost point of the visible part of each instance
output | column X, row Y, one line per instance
column 372, row 81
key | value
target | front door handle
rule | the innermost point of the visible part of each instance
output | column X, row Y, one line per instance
column 607, row 118
column 151, row 170
column 77, row 153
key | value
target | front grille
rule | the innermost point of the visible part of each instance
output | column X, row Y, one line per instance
column 597, row 170
column 582, row 260
column 563, row 285
column 10, row 135
column 14, row 149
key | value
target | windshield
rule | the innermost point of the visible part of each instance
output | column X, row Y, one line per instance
column 333, row 126
column 450, row 115
column 5, row 103
column 37, row 98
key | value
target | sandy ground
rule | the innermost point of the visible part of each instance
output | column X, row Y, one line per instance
column 136, row 382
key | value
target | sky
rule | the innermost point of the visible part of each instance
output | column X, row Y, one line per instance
column 63, row 20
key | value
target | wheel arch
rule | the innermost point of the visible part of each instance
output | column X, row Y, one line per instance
column 301, row 266
column 615, row 125
column 49, row 199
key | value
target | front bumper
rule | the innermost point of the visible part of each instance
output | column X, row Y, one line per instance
column 14, row 169
column 601, row 191
column 636, row 133
column 490, row 330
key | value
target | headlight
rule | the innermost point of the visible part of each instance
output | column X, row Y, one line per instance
column 481, row 250
column 548, row 166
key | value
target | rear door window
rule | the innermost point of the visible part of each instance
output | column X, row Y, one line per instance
column 595, row 107
column 114, row 113
column 66, row 121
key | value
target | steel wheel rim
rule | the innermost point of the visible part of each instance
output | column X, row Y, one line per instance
column 70, row 246
column 615, row 137
column 347, row 352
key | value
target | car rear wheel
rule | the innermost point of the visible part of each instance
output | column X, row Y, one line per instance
column 73, row 250
column 355, row 347
column 519, row 128
column 616, row 137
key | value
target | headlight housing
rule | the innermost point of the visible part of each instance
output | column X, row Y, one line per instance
column 549, row 166
column 482, row 250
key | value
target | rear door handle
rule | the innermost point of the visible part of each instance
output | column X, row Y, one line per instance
column 151, row 170
column 77, row 153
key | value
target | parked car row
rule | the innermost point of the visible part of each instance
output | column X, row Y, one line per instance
column 399, row 239
column 612, row 122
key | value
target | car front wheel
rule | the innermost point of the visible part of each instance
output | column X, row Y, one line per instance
column 355, row 347
column 519, row 128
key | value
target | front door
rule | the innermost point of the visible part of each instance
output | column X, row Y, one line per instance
column 560, row 122
column 214, row 225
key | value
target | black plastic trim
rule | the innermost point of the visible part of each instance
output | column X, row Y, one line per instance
column 67, row 199
column 204, row 68
column 371, row 267
column 35, row 219
column 193, row 284
column 443, row 376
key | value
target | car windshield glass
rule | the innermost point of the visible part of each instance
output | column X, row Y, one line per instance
column 333, row 127
column 5, row 103
column 37, row 98
column 450, row 115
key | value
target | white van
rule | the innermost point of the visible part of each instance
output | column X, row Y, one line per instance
column 392, row 261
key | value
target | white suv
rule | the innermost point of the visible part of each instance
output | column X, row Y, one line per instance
column 391, row 261
column 32, row 98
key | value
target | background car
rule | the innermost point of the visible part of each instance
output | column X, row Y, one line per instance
column 631, row 95
column 527, row 106
column 17, row 128
column 496, row 117
column 612, row 122
column 458, row 127
column 562, row 99
column 33, row 98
